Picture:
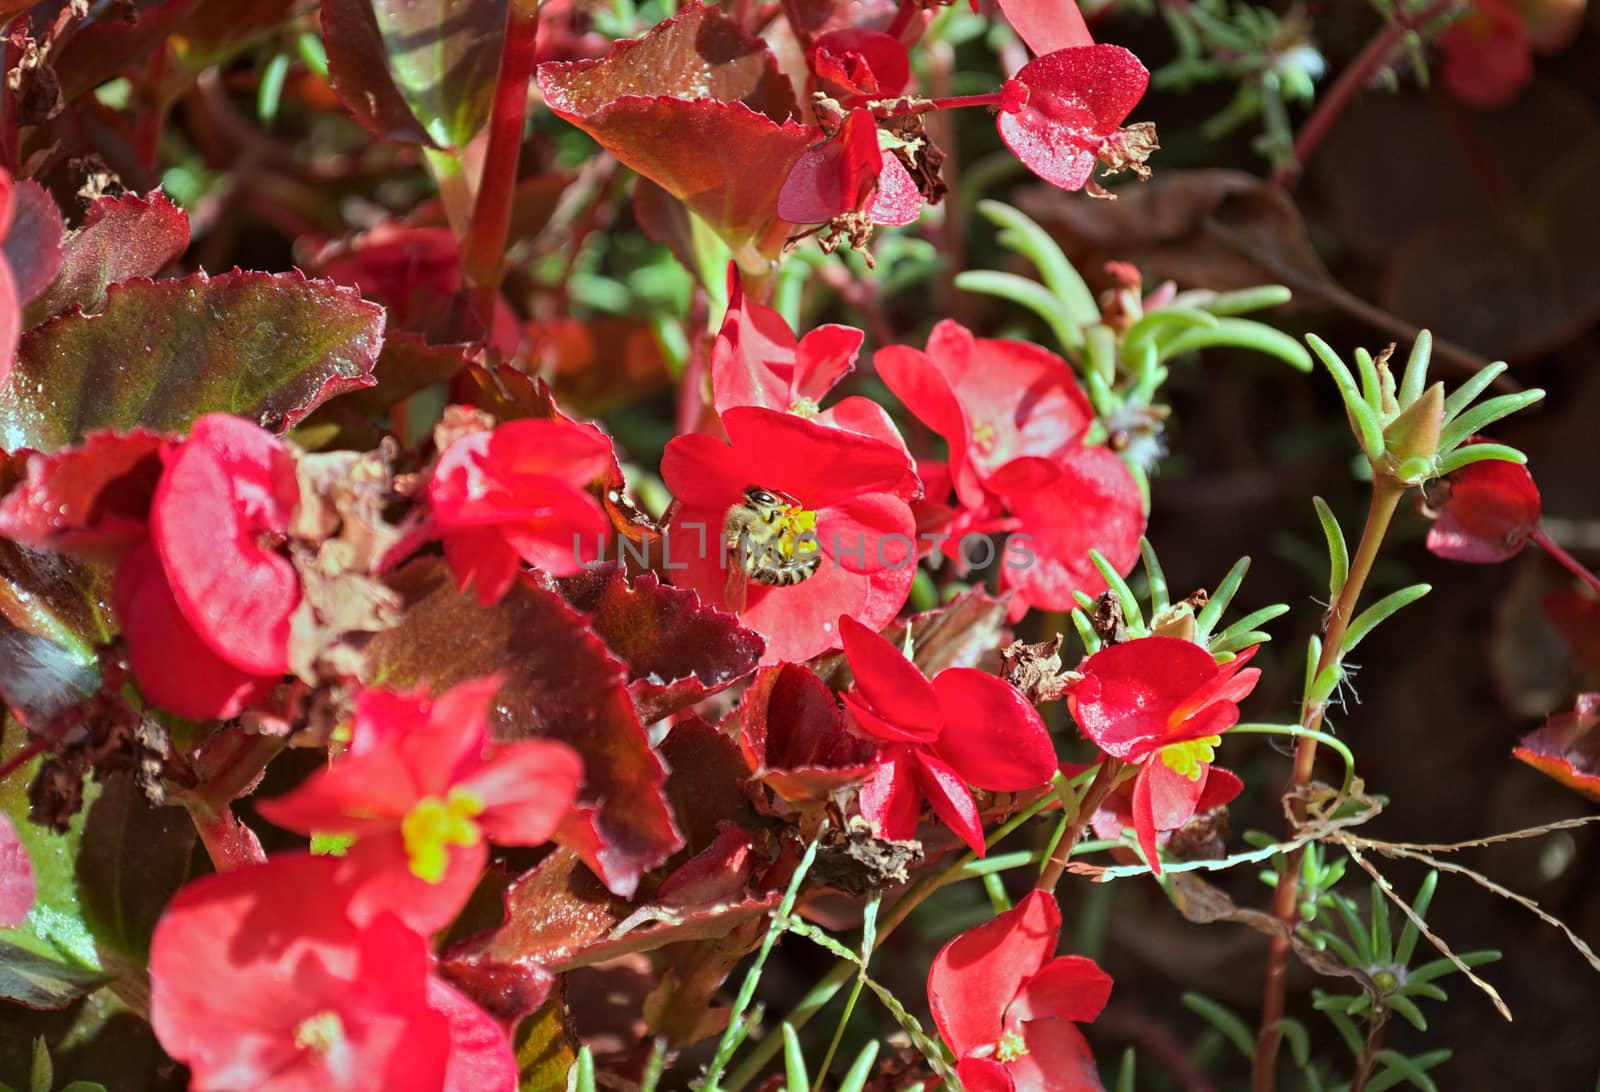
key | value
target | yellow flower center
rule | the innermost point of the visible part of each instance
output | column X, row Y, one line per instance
column 983, row 437
column 1190, row 759
column 1010, row 1048
column 319, row 1034
column 434, row 824
column 805, row 407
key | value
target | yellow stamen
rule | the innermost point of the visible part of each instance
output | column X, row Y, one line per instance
column 983, row 436
column 1010, row 1048
column 1191, row 758
column 320, row 1033
column 805, row 407
column 433, row 824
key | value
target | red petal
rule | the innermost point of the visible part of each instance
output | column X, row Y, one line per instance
column 824, row 356
column 817, row 465
column 525, row 788
column 483, row 560
column 863, row 415
column 898, row 202
column 1087, row 500
column 1567, row 748
column 92, row 500
column 1221, row 786
column 793, row 735
column 1076, row 98
column 16, row 878
column 891, row 685
column 1131, row 689
column 1058, row 1060
column 977, row 975
column 176, row 669
column 481, row 1059
column 1492, row 508
column 927, row 393
column 577, row 454
column 984, row 1075
column 230, row 483
column 1066, row 988
column 377, row 873
column 869, row 533
column 889, row 797
column 836, row 176
column 948, row 796
column 866, row 62
column 1047, row 25
column 993, row 737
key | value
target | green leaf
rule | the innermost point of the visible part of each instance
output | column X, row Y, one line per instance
column 1244, row 300
column 133, row 858
column 794, row 1061
column 1113, row 579
column 270, row 347
column 1409, row 933
column 1466, row 394
column 1028, row 238
column 42, row 1076
column 1241, row 334
column 1477, row 453
column 1149, row 328
column 856, row 1078
column 51, row 617
column 1221, row 1018
column 1478, row 418
column 1155, row 576
column 1416, row 373
column 1025, row 293
column 1369, row 619
column 1408, row 1069
column 1338, row 551
column 1211, row 613
column 1298, row 1038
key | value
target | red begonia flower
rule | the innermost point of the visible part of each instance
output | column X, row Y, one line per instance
column 1487, row 57
column 225, row 495
column 259, row 980
column 963, row 727
column 1060, row 510
column 1567, row 748
column 868, row 63
column 519, row 493
column 1163, row 703
column 1006, row 1004
column 1489, row 510
column 991, row 400
column 16, row 878
column 1062, row 110
column 850, row 490
column 849, row 172
column 422, row 792
column 481, row 1059
column 757, row 361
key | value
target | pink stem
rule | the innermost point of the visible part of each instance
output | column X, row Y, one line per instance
column 928, row 106
column 1566, row 560
column 230, row 843
column 484, row 250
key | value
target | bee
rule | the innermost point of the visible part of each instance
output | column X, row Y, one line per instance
column 764, row 544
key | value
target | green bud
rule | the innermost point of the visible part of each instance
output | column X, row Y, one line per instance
column 1414, row 434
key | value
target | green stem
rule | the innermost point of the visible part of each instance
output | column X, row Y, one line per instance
column 1056, row 862
column 1386, row 496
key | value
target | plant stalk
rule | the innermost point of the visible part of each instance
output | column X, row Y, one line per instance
column 1351, row 82
column 1577, row 568
column 483, row 251
column 1386, row 495
column 1093, row 797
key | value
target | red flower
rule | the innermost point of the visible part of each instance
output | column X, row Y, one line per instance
column 795, row 739
column 422, row 792
column 1162, row 703
column 519, row 493
column 1489, row 510
column 756, row 361
column 848, row 490
column 867, row 63
column 1007, row 1008
column 965, row 727
column 1219, row 787
column 1062, row 112
column 206, row 604
column 1488, row 58
column 849, row 172
column 1085, row 500
column 992, row 401
column 1047, row 25
column 259, row 980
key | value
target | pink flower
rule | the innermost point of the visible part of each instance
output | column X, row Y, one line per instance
column 423, row 792
column 860, row 62
column 1162, row 703
column 965, row 727
column 17, row 887
column 206, row 604
column 1006, row 1004
column 847, row 172
column 519, row 493
column 1488, row 58
column 259, row 980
